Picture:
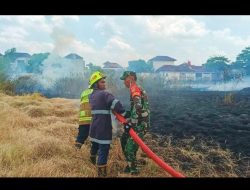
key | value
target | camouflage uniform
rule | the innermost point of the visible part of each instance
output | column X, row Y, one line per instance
column 139, row 117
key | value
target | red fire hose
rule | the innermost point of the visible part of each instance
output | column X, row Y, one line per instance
column 149, row 152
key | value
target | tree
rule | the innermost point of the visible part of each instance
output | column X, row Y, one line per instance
column 35, row 62
column 4, row 64
column 217, row 63
column 10, row 51
column 6, row 85
column 94, row 68
column 243, row 60
column 27, row 84
column 140, row 66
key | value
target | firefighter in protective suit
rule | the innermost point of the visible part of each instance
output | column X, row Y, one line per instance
column 138, row 117
column 84, row 118
column 102, row 104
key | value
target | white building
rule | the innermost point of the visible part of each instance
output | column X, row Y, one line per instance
column 76, row 59
column 186, row 72
column 19, row 63
column 20, row 58
column 108, row 66
column 160, row 61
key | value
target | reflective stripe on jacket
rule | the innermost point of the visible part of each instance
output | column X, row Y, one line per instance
column 102, row 102
column 85, row 116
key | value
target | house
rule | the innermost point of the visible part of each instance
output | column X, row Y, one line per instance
column 170, row 72
column 19, row 62
column 160, row 61
column 20, row 58
column 75, row 59
column 188, row 72
column 108, row 66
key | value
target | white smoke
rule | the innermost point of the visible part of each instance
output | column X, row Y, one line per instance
column 151, row 82
column 63, row 39
column 231, row 86
column 56, row 67
column 16, row 70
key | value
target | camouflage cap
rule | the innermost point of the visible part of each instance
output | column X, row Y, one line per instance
column 128, row 73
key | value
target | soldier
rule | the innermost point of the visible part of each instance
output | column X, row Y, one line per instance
column 138, row 117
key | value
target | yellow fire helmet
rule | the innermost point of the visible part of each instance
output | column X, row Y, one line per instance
column 95, row 77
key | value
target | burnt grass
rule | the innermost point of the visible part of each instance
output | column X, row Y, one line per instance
column 203, row 115
column 201, row 121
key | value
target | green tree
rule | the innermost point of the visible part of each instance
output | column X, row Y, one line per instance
column 10, row 52
column 243, row 60
column 94, row 68
column 217, row 63
column 140, row 66
column 35, row 62
column 4, row 64
column 6, row 85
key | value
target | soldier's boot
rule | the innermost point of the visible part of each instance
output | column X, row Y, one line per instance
column 93, row 159
column 127, row 169
column 133, row 168
column 102, row 171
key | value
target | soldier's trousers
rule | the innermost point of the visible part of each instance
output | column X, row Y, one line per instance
column 129, row 146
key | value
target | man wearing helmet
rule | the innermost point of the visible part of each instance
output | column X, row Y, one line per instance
column 102, row 103
column 84, row 118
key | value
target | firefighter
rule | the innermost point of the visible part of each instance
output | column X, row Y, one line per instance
column 84, row 118
column 102, row 103
column 138, row 117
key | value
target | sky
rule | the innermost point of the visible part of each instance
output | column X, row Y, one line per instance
column 123, row 38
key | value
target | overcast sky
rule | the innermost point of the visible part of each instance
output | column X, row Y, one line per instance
column 122, row 38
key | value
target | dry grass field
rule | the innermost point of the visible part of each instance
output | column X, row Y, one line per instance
column 37, row 136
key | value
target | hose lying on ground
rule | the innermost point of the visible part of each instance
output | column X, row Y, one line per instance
column 147, row 150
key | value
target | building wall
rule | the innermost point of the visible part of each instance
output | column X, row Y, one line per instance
column 172, row 76
column 158, row 64
column 206, row 76
column 190, row 76
column 186, row 76
column 79, row 61
column 217, row 76
column 19, row 66
column 23, row 60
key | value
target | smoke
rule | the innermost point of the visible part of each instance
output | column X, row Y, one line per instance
column 66, row 78
column 56, row 67
column 155, row 83
column 16, row 70
column 63, row 39
column 57, row 76
column 235, row 85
